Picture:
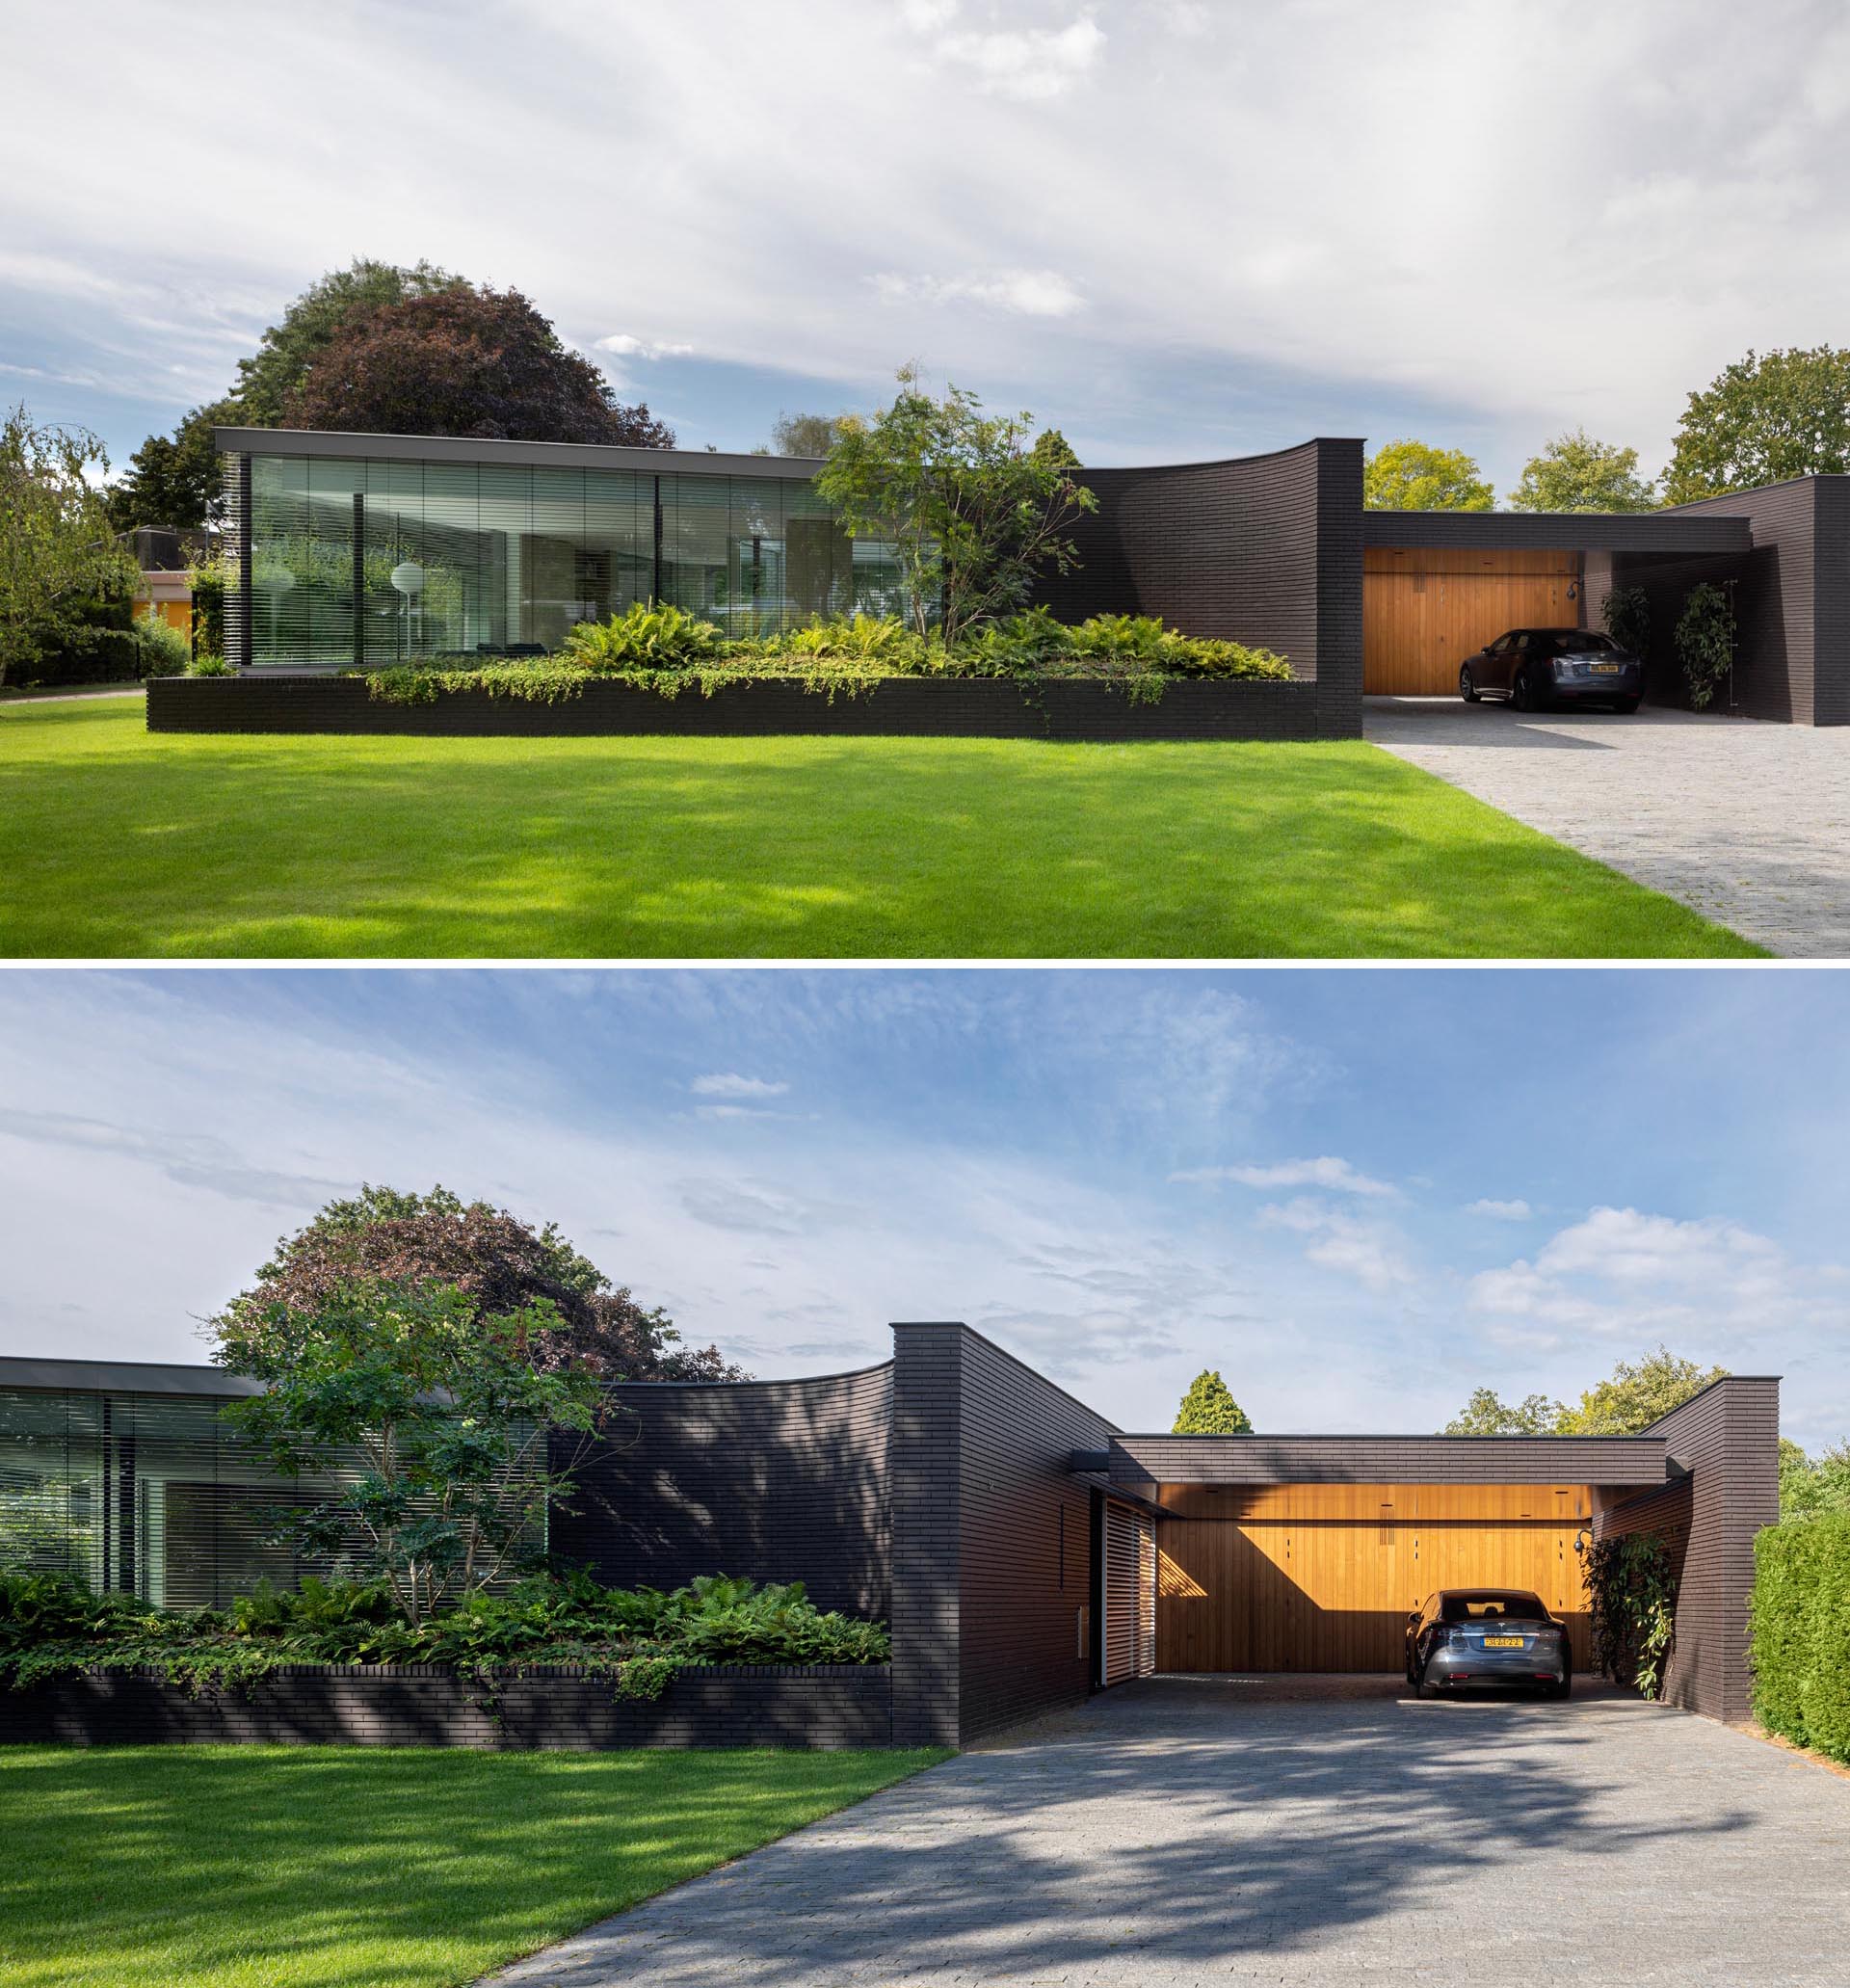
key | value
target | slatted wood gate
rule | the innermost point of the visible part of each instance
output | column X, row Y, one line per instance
column 1424, row 612
column 1130, row 1594
column 1320, row 1577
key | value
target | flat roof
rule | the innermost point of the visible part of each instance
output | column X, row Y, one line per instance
column 1251, row 1459
column 462, row 448
column 124, row 1377
column 1558, row 531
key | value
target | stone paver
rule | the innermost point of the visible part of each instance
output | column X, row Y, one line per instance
column 1220, row 1830
column 1747, row 822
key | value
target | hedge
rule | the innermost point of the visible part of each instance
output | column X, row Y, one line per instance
column 1800, row 1630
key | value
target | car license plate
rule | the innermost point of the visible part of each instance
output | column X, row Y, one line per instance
column 1505, row 1643
column 1605, row 668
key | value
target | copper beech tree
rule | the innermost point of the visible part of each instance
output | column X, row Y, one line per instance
column 502, row 1266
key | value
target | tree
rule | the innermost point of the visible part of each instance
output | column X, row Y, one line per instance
column 452, row 1413
column 1209, row 1409
column 1485, row 1414
column 970, row 507
column 804, row 434
column 59, row 554
column 1763, row 419
column 178, row 480
column 1810, row 1487
column 330, row 307
column 498, row 1263
column 1637, row 1396
column 467, row 362
column 1574, row 473
column 1415, row 476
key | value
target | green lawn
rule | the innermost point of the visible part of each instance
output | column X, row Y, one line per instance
column 115, row 843
column 246, row 1867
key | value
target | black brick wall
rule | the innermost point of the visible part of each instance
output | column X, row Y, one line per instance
column 1791, row 601
column 776, row 1480
column 991, row 1538
column 904, row 707
column 1263, row 549
column 357, row 1705
column 1726, row 1439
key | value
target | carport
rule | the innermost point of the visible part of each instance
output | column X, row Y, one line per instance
column 1438, row 585
column 1306, row 1554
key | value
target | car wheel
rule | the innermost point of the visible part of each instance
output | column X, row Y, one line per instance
column 1523, row 695
column 1563, row 1690
column 1625, row 706
column 1421, row 1685
column 1467, row 687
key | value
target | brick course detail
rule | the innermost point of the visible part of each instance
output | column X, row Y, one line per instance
column 900, row 708
column 423, row 1704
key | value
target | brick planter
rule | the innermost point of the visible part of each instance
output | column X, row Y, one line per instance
column 905, row 707
column 423, row 1704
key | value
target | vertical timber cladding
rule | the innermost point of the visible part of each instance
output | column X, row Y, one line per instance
column 1321, row 1576
column 1424, row 611
column 1130, row 1562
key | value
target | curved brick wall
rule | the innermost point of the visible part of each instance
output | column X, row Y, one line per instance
column 777, row 1480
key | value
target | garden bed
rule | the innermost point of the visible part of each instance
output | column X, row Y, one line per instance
column 898, row 706
column 430, row 1704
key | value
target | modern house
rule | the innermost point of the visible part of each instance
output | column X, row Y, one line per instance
column 361, row 551
column 1025, row 1549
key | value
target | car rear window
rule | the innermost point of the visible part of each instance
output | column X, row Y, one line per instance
column 1582, row 642
column 1491, row 1607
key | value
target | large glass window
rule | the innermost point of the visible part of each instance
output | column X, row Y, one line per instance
column 381, row 562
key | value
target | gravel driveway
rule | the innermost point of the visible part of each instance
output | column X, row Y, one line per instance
column 1218, row 1830
column 1749, row 822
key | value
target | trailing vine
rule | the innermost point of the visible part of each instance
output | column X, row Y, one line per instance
column 1706, row 641
column 1631, row 1590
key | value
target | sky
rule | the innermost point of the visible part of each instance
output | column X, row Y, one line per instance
column 1177, row 230
column 1359, row 1195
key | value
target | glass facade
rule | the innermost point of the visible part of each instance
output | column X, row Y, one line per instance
column 147, row 1494
column 367, row 562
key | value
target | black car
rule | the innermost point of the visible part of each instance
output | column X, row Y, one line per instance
column 1536, row 668
column 1465, row 1637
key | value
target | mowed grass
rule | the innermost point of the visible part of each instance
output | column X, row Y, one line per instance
column 244, row 1867
column 116, row 843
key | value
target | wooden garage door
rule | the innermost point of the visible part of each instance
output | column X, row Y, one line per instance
column 1423, row 612
column 1321, row 1576
column 1130, row 1594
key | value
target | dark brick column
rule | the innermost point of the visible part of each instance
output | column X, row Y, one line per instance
column 923, row 1463
column 1338, row 588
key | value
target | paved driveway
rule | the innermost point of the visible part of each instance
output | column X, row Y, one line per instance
column 1748, row 822
column 1209, row 1830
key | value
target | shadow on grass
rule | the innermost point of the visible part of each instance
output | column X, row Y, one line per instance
column 806, row 847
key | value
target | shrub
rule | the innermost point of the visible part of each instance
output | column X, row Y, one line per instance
column 1631, row 1596
column 857, row 639
column 206, row 664
column 209, row 584
column 1706, row 641
column 165, row 651
column 647, row 636
column 1627, row 614
column 638, row 1637
column 1798, row 1627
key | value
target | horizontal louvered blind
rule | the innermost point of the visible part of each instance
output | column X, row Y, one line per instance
column 1130, row 1595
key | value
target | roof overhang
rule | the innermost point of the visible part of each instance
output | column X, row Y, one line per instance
column 1140, row 1463
column 513, row 454
column 124, row 1377
column 1557, row 531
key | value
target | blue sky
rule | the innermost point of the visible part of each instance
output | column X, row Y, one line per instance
column 1178, row 229
column 1358, row 1194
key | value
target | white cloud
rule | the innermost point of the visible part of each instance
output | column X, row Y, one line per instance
column 1042, row 293
column 1710, row 1286
column 1333, row 1176
column 1373, row 1252
column 729, row 1083
column 928, row 14
column 1030, row 65
column 624, row 346
column 1501, row 1210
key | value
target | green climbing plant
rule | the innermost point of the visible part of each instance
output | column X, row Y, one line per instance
column 1631, row 1592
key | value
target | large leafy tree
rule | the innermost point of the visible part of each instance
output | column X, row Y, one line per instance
column 1634, row 1397
column 1764, row 419
column 1415, row 476
column 464, row 361
column 1574, row 472
column 972, row 507
column 59, row 554
column 804, row 434
column 455, row 1413
column 1209, row 1409
column 502, row 1266
column 1487, row 1413
column 1813, row 1486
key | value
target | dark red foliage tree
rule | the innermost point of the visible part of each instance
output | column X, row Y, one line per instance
column 496, row 1258
column 468, row 362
